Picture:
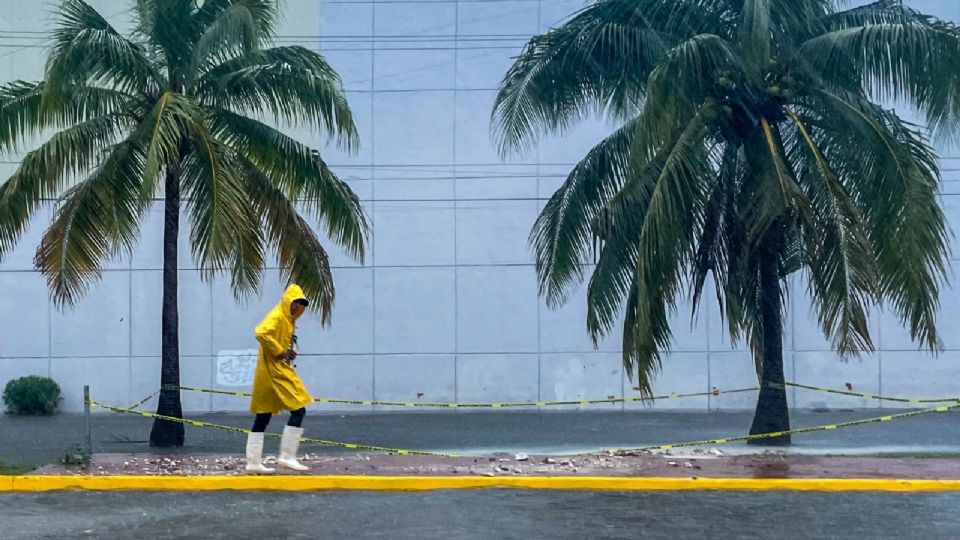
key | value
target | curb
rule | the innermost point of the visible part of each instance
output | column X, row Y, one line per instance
column 426, row 483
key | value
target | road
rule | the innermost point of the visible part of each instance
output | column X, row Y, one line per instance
column 486, row 514
column 483, row 514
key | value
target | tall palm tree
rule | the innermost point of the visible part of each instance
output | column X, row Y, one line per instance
column 753, row 144
column 183, row 106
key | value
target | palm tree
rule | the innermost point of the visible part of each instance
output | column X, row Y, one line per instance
column 753, row 144
column 182, row 106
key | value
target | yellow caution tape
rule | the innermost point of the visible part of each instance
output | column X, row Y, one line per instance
column 774, row 434
column 718, row 441
column 198, row 423
column 501, row 405
column 868, row 395
column 142, row 401
column 580, row 402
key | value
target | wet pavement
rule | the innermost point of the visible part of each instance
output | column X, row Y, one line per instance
column 42, row 440
column 481, row 514
column 491, row 513
column 711, row 463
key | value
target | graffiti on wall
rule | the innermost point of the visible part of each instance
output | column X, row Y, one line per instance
column 235, row 368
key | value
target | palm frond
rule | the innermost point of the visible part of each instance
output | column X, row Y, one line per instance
column 44, row 172
column 24, row 113
column 770, row 191
column 171, row 31
column 742, row 294
column 162, row 134
column 720, row 226
column 664, row 244
column 224, row 227
column 788, row 20
column 301, row 257
column 300, row 173
column 96, row 219
column 88, row 51
column 293, row 84
column 755, row 32
column 879, row 12
column 564, row 231
column 895, row 173
column 618, row 227
column 893, row 63
column 843, row 274
column 265, row 13
column 682, row 82
column 231, row 28
column 598, row 60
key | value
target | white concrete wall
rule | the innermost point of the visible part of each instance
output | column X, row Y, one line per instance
column 447, row 304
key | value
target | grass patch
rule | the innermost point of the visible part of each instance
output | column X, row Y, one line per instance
column 11, row 469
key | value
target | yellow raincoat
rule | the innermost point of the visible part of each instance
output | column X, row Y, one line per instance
column 276, row 385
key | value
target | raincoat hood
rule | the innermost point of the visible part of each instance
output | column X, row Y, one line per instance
column 291, row 295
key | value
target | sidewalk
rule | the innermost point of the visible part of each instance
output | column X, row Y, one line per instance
column 40, row 441
column 698, row 472
column 700, row 464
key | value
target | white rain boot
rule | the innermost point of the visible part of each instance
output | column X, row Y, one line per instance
column 255, row 455
column 288, row 449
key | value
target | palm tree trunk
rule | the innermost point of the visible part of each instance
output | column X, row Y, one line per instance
column 166, row 433
column 772, row 414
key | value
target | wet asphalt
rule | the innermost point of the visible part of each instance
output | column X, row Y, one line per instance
column 41, row 440
column 482, row 514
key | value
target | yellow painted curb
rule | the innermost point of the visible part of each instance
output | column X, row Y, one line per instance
column 426, row 483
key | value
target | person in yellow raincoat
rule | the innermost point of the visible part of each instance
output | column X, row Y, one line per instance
column 276, row 386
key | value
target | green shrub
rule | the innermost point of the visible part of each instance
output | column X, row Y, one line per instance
column 31, row 395
column 75, row 456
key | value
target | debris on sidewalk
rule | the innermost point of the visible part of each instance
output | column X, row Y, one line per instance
column 770, row 464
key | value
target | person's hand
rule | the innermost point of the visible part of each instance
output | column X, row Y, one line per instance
column 289, row 355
